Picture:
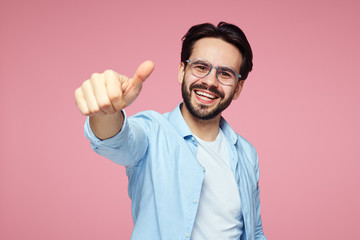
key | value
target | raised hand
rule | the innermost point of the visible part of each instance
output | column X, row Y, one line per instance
column 104, row 95
column 110, row 92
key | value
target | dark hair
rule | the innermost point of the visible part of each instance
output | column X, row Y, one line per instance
column 225, row 31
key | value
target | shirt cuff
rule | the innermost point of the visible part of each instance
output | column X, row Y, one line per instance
column 109, row 142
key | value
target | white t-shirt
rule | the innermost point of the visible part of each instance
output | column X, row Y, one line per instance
column 219, row 210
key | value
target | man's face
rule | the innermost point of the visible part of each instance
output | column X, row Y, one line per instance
column 205, row 98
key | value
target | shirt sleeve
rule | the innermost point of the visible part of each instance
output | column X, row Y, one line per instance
column 126, row 148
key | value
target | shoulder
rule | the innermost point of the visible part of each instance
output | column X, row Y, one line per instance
column 234, row 137
column 244, row 143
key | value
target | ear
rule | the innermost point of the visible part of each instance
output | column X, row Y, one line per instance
column 238, row 89
column 181, row 72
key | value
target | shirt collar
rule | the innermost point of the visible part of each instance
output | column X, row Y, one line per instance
column 228, row 131
column 177, row 120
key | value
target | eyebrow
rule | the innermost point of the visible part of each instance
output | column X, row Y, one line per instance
column 222, row 65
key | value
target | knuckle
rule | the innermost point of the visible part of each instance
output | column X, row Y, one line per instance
column 77, row 92
column 95, row 75
column 109, row 71
column 86, row 84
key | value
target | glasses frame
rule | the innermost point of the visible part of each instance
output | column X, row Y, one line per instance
column 217, row 70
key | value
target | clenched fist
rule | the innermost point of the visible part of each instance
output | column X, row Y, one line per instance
column 110, row 92
column 104, row 95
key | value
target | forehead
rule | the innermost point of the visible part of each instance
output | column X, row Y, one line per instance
column 217, row 51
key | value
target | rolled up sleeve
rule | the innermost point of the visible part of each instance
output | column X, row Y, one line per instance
column 125, row 148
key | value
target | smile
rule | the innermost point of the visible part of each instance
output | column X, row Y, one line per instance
column 205, row 95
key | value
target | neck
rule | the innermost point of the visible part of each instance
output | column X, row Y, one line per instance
column 206, row 130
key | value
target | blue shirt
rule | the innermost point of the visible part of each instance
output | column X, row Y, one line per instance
column 165, row 178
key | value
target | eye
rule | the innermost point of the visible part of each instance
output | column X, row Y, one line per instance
column 226, row 73
column 200, row 67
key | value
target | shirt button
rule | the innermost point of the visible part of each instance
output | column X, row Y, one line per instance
column 195, row 200
column 187, row 235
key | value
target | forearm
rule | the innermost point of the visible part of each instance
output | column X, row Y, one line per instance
column 107, row 126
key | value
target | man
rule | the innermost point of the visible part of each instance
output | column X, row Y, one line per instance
column 190, row 175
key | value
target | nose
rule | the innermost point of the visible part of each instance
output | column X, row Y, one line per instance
column 211, row 78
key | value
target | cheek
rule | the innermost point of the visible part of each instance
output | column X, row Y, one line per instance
column 229, row 92
column 189, row 79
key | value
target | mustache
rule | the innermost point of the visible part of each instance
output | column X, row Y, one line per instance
column 210, row 89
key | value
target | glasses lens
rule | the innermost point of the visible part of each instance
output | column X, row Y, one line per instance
column 200, row 68
column 226, row 75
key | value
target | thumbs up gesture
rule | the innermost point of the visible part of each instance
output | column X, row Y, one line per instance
column 109, row 92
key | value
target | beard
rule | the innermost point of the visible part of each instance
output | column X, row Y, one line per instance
column 202, row 111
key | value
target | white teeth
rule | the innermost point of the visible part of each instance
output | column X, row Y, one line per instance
column 205, row 94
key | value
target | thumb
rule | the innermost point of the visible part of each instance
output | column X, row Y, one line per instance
column 132, row 88
column 143, row 72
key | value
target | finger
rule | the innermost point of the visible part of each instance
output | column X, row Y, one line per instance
column 114, row 91
column 101, row 95
column 81, row 102
column 88, row 93
column 143, row 72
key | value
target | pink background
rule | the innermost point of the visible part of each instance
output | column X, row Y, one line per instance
column 299, row 107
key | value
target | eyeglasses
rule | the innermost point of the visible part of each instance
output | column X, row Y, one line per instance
column 200, row 68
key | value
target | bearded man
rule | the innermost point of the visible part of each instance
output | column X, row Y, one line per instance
column 190, row 175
